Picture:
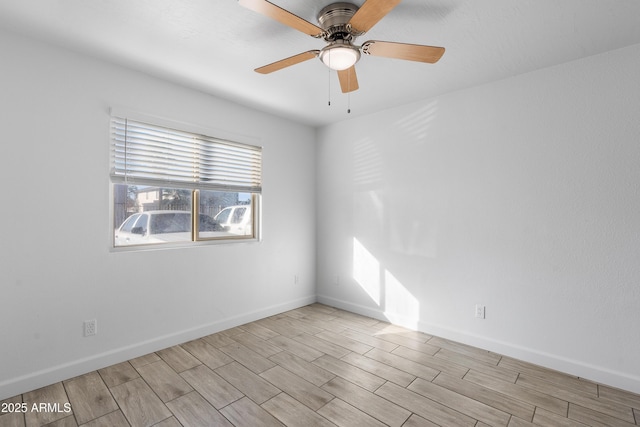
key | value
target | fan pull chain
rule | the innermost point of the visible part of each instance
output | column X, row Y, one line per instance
column 349, row 95
column 329, row 94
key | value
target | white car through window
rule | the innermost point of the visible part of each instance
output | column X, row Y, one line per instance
column 161, row 227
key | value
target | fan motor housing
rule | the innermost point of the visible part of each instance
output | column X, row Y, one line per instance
column 334, row 18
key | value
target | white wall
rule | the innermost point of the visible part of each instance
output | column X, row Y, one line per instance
column 55, row 260
column 520, row 195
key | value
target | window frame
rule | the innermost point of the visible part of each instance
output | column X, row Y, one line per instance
column 195, row 215
column 196, row 237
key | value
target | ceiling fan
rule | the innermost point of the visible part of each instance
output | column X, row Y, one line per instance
column 339, row 25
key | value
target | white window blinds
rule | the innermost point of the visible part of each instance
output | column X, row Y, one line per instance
column 143, row 153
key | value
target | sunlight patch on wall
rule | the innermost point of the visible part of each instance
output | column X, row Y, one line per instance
column 366, row 271
column 418, row 122
column 401, row 307
column 367, row 163
column 396, row 302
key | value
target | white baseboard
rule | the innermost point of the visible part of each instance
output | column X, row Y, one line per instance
column 572, row 367
column 44, row 377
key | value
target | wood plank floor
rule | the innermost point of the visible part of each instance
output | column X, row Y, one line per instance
column 320, row 366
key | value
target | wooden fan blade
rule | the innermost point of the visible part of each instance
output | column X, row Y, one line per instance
column 283, row 16
column 348, row 79
column 287, row 62
column 370, row 13
column 410, row 52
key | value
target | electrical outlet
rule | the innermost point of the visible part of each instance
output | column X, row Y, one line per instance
column 480, row 311
column 296, row 279
column 336, row 280
column 90, row 327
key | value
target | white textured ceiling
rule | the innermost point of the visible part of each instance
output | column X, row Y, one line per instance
column 214, row 45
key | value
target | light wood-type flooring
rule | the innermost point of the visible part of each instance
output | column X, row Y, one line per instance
column 320, row 366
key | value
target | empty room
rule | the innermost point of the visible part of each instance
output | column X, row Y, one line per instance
column 305, row 212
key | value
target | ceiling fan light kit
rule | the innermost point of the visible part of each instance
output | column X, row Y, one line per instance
column 339, row 25
column 339, row 55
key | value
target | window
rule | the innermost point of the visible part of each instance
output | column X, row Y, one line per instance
column 172, row 186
